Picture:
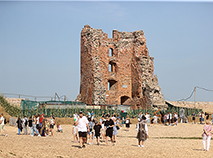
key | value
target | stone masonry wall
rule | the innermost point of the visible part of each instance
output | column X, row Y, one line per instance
column 14, row 101
column 117, row 70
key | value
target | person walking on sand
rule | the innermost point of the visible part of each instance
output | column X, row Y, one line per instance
column 142, row 131
column 127, row 121
column 90, row 131
column 97, row 129
column 193, row 118
column 207, row 135
column 170, row 118
column 25, row 120
column 109, row 124
column 2, row 124
column 30, row 124
column 19, row 125
column 200, row 117
column 115, row 130
column 52, row 123
column 83, row 127
column 212, row 118
column 75, row 132
column 34, row 129
column 155, row 121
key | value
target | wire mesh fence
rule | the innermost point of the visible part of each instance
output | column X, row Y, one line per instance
column 69, row 111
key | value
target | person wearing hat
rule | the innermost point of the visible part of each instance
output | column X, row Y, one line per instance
column 142, row 130
column 83, row 127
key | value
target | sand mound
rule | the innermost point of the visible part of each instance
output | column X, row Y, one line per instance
column 6, row 115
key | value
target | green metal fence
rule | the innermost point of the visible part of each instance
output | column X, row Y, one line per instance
column 68, row 112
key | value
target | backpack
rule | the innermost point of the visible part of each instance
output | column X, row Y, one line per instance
column 25, row 123
column 5, row 121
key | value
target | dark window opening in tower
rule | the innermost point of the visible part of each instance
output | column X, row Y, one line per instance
column 112, row 67
column 111, row 85
column 125, row 100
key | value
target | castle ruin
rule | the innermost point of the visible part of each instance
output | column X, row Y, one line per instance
column 118, row 70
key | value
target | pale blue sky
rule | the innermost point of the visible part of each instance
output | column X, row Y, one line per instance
column 40, row 43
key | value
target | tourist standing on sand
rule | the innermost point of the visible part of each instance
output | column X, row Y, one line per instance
column 38, row 123
column 2, row 124
column 103, row 130
column 103, row 114
column 207, row 135
column 34, row 129
column 155, row 121
column 44, row 131
column 170, row 118
column 142, row 131
column 19, row 125
column 109, row 124
column 30, row 124
column 83, row 128
column 97, row 129
column 147, row 117
column 127, row 121
column 25, row 120
column 202, row 119
column 90, row 131
column 165, row 119
column 52, row 123
column 193, row 118
column 212, row 118
column 115, row 130
column 175, row 119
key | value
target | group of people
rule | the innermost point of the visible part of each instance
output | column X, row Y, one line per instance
column 202, row 117
column 170, row 119
column 89, row 129
column 39, row 125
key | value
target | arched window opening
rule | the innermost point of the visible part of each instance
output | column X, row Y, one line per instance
column 111, row 85
column 112, row 67
column 110, row 52
column 125, row 100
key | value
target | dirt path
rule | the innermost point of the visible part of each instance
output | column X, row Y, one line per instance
column 183, row 140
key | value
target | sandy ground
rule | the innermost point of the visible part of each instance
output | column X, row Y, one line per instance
column 159, row 144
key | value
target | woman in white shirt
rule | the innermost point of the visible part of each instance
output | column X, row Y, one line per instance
column 142, row 131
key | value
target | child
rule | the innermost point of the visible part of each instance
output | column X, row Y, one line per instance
column 115, row 130
column 97, row 129
column 123, row 121
column 155, row 121
column 90, row 131
column 75, row 131
column 207, row 135
column 103, row 130
column 127, row 121
column 59, row 129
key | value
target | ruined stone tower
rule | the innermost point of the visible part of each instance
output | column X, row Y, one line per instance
column 118, row 70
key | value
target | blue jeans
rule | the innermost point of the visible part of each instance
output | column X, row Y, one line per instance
column 19, row 130
column 34, row 130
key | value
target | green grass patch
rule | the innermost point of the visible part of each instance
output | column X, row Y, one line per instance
column 12, row 153
column 177, row 138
